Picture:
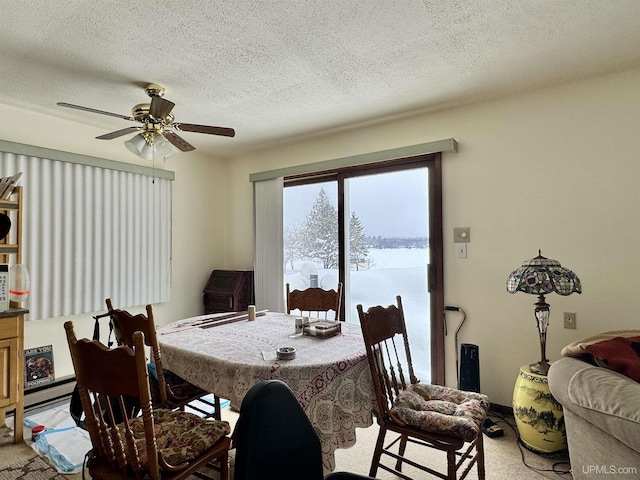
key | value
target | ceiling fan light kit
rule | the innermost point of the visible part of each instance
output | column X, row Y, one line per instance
column 147, row 148
column 162, row 147
column 136, row 144
column 158, row 131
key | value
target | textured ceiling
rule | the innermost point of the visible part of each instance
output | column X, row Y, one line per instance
column 277, row 69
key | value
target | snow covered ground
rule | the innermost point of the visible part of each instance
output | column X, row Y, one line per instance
column 400, row 271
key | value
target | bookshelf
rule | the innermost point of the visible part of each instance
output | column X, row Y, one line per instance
column 12, row 324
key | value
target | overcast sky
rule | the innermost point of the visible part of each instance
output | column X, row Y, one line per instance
column 390, row 204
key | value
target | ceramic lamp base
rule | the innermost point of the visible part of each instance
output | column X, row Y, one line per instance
column 539, row 417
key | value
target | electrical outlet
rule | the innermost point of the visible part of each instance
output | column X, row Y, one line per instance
column 569, row 320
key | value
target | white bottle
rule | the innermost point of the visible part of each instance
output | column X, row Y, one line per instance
column 20, row 283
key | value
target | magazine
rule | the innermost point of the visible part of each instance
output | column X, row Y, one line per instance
column 38, row 366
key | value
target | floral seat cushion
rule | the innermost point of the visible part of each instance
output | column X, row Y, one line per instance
column 443, row 410
column 180, row 436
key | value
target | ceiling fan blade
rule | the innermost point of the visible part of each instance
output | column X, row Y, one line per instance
column 190, row 127
column 178, row 142
column 118, row 133
column 93, row 110
column 160, row 107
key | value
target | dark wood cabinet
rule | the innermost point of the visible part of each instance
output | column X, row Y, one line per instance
column 228, row 291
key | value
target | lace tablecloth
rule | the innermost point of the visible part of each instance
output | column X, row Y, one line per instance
column 329, row 377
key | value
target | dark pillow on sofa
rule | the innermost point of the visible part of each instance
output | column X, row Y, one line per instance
column 619, row 354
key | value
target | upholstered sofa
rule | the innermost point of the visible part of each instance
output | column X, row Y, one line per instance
column 601, row 414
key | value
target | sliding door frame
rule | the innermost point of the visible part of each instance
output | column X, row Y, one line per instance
column 435, row 276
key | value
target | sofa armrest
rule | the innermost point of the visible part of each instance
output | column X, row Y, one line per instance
column 601, row 396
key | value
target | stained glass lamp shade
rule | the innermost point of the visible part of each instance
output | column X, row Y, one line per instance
column 541, row 276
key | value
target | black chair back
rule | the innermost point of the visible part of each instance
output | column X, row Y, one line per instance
column 274, row 438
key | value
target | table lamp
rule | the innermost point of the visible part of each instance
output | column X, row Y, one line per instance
column 541, row 276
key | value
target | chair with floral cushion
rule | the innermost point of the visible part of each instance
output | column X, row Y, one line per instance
column 158, row 443
column 168, row 390
column 434, row 416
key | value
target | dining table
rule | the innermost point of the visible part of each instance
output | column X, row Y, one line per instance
column 330, row 377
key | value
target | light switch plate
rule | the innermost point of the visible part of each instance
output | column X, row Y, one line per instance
column 461, row 235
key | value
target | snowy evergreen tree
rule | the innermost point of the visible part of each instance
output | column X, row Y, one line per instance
column 358, row 250
column 320, row 232
column 293, row 247
column 317, row 238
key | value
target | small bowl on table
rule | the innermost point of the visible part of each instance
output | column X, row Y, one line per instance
column 286, row 353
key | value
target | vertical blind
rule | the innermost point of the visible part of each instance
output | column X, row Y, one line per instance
column 91, row 233
column 269, row 263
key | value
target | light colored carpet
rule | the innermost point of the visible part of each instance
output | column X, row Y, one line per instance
column 504, row 458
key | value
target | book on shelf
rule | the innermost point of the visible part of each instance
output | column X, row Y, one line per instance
column 7, row 184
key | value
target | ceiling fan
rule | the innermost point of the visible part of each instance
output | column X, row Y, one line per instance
column 158, row 126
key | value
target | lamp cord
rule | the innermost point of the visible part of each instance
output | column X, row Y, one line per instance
column 555, row 467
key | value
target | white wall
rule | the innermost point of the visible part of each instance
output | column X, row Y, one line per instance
column 555, row 170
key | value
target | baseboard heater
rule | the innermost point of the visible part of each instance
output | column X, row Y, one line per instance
column 58, row 390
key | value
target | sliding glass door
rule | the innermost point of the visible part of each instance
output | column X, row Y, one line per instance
column 388, row 251
column 371, row 228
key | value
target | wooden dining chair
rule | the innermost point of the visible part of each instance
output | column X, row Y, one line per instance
column 274, row 438
column 315, row 302
column 433, row 416
column 169, row 390
column 155, row 444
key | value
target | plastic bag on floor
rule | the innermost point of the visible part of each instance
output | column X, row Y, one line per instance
column 65, row 448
